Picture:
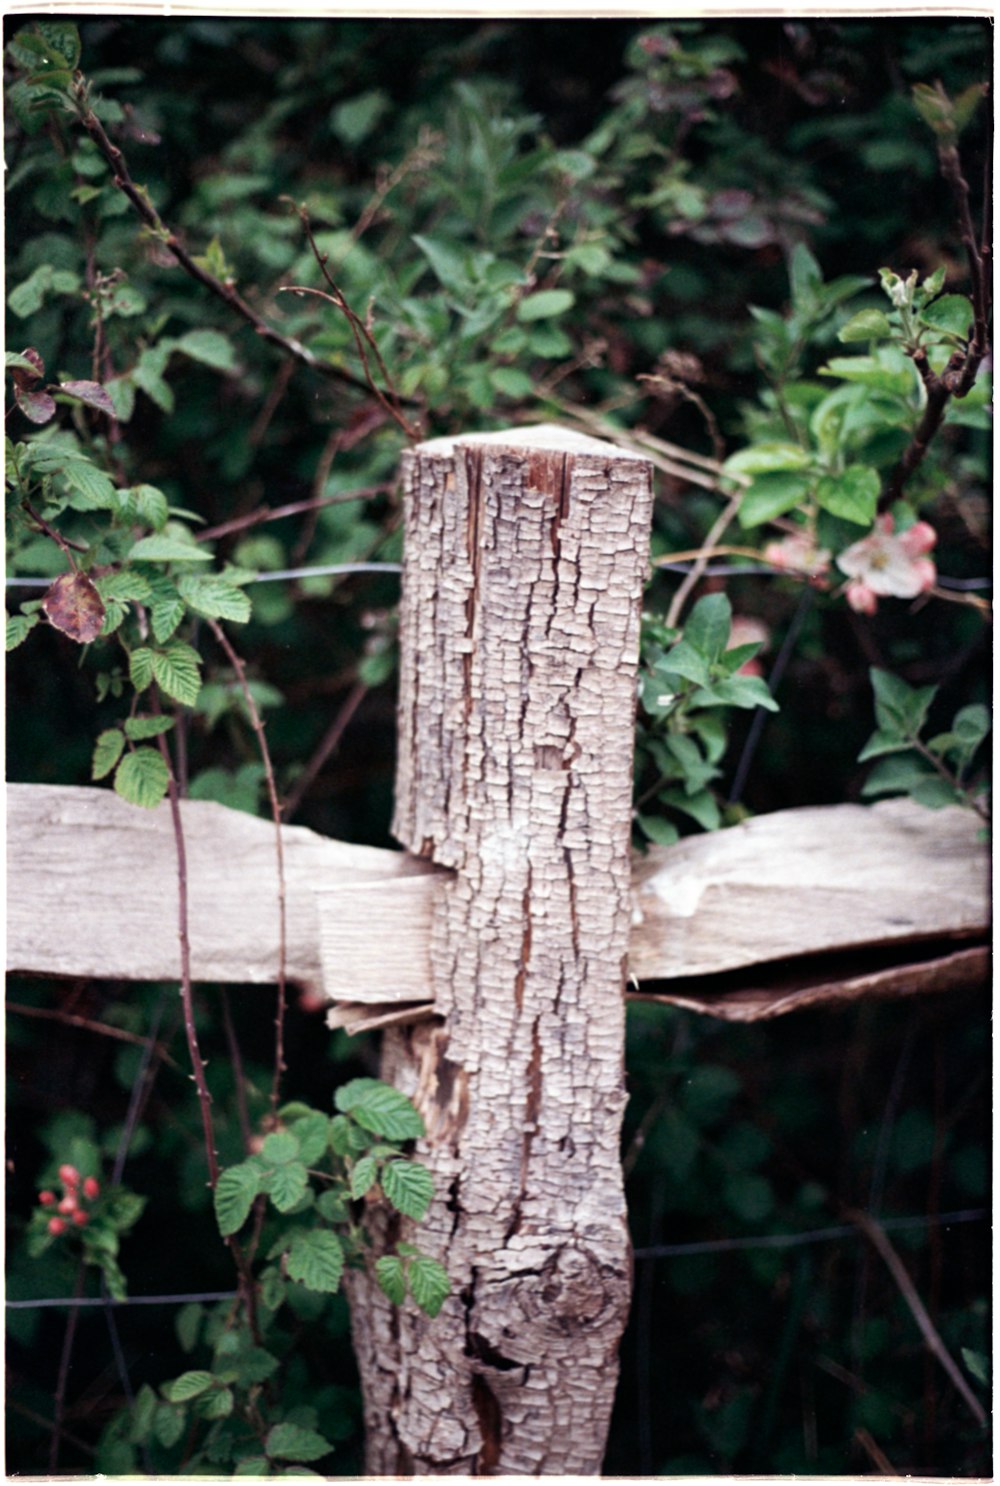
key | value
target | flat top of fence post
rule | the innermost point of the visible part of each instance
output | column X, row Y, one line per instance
column 534, row 436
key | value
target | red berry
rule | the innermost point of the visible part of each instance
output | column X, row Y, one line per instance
column 57, row 1226
column 91, row 1188
column 80, row 1218
column 46, row 1198
column 69, row 1176
column 68, row 1203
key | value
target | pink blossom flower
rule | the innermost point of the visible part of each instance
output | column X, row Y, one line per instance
column 884, row 564
column 798, row 553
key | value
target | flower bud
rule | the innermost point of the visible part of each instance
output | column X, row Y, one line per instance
column 46, row 1199
column 57, row 1226
column 91, row 1188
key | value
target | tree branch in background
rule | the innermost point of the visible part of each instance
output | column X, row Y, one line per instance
column 959, row 374
column 226, row 291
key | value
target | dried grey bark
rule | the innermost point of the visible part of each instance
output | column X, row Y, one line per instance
column 525, row 558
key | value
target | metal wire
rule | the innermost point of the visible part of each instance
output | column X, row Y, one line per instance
column 811, row 1235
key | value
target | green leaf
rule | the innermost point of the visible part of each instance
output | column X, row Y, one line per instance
column 150, row 505
column 189, row 1385
column 767, row 458
column 880, row 743
column 512, row 382
column 852, row 495
column 279, row 1147
column 771, row 495
column 363, row 1176
column 408, row 1186
column 215, row 1405
column 708, row 626
column 684, row 660
column 210, row 347
column 429, row 1284
column 972, row 724
column 355, row 118
column 19, row 626
column 736, row 691
column 866, row 325
column 450, row 263
column 293, row 1442
column 188, row 1325
column 662, row 831
column 701, row 806
column 978, row 1365
column 312, row 1132
column 168, row 1425
column 123, row 587
column 176, row 671
column 545, row 305
column 234, row 1195
column 380, row 1108
column 140, row 667
column 142, row 778
column 138, row 728
column 166, row 609
column 287, row 1185
column 62, row 40
column 896, row 775
column 952, row 313
column 888, row 371
column 213, row 597
column 899, row 707
column 93, row 489
column 316, row 1260
column 107, row 751
column 161, row 547
column 391, row 1278
column 936, row 793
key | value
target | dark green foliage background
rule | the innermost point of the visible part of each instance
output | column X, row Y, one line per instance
column 758, row 1361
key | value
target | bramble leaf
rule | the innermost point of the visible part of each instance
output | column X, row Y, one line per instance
column 380, row 1108
column 107, row 751
column 429, row 1284
column 142, row 778
column 391, row 1278
column 316, row 1260
column 408, row 1186
column 234, row 1195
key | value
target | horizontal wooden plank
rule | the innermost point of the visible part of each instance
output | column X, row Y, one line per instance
column 92, row 890
column 808, row 881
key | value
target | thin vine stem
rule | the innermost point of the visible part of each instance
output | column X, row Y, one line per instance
column 184, row 939
column 257, row 723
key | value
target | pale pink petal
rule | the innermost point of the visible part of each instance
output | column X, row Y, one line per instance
column 862, row 599
column 918, row 539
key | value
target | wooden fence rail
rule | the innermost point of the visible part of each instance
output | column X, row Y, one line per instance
column 751, row 922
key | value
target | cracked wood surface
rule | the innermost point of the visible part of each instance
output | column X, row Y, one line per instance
column 525, row 558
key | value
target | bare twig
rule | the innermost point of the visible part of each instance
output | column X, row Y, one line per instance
column 239, row 1075
column 62, row 1377
column 226, row 291
column 187, row 993
column 50, row 1013
column 294, row 508
column 725, row 516
column 880, row 1461
column 879, row 1239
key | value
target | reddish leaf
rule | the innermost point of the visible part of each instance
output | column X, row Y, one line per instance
column 20, row 375
column 92, row 393
column 74, row 606
column 38, row 406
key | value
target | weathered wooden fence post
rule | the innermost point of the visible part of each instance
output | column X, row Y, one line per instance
column 526, row 553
